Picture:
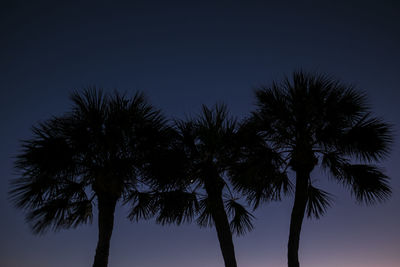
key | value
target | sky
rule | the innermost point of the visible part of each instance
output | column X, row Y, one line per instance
column 183, row 54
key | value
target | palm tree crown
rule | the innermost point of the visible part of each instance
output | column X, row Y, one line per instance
column 98, row 151
column 314, row 120
column 212, row 148
column 205, row 149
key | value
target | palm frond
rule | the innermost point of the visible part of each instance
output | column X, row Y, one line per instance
column 176, row 207
column 241, row 219
column 369, row 139
column 214, row 133
column 333, row 161
column 51, row 202
column 27, row 193
column 318, row 202
column 90, row 101
column 60, row 213
column 205, row 217
column 262, row 189
column 48, row 153
column 144, row 205
column 258, row 173
column 368, row 183
column 259, row 170
column 274, row 118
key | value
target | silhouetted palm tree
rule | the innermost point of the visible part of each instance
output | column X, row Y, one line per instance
column 314, row 120
column 98, row 151
column 205, row 150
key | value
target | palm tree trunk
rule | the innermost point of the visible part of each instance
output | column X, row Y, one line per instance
column 214, row 187
column 106, row 207
column 296, row 220
column 224, row 233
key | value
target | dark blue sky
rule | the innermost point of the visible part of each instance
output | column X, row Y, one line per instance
column 184, row 54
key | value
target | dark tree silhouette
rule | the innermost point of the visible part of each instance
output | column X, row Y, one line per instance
column 314, row 120
column 98, row 151
column 205, row 149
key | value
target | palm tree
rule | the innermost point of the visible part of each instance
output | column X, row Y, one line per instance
column 98, row 152
column 205, row 150
column 316, row 121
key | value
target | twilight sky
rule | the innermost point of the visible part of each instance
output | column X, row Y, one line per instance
column 184, row 54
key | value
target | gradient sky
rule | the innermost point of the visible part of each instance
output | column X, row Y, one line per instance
column 184, row 54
